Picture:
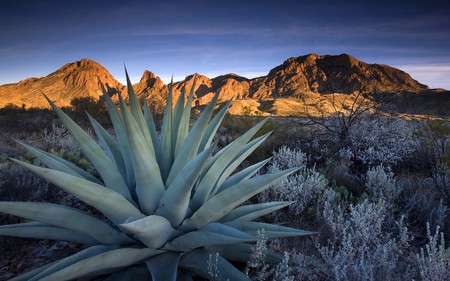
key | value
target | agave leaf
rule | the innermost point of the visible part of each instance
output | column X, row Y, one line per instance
column 164, row 267
column 65, row 262
column 149, row 184
column 166, row 138
column 152, row 129
column 222, row 203
column 174, row 203
column 226, row 230
column 243, row 154
column 110, row 203
column 212, row 234
column 109, row 261
column 253, row 211
column 177, row 113
column 132, row 273
column 183, row 120
column 213, row 126
column 196, row 260
column 113, row 112
column 242, row 252
column 242, row 175
column 154, row 231
column 42, row 231
column 67, row 218
column 270, row 230
column 59, row 164
column 96, row 155
column 121, row 134
column 209, row 180
column 29, row 274
column 110, row 146
column 190, row 146
column 136, row 111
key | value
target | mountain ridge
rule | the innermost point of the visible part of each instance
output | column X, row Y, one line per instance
column 296, row 77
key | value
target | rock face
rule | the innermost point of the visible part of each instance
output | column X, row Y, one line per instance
column 296, row 77
column 232, row 86
column 203, row 91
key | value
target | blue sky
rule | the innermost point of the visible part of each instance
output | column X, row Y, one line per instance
column 217, row 37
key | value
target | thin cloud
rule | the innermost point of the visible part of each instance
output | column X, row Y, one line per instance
column 433, row 75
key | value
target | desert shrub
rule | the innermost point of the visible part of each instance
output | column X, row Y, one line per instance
column 434, row 261
column 370, row 141
column 363, row 244
column 435, row 150
column 441, row 179
column 421, row 203
column 383, row 141
column 11, row 109
column 58, row 137
column 256, row 267
column 340, row 170
column 381, row 184
column 290, row 268
column 18, row 183
column 302, row 188
column 286, row 157
column 96, row 108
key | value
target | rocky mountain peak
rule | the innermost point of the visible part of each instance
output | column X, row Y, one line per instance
column 147, row 76
column 331, row 74
column 150, row 84
column 86, row 73
column 77, row 79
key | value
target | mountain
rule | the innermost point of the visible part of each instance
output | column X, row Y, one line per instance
column 311, row 75
column 331, row 74
column 78, row 79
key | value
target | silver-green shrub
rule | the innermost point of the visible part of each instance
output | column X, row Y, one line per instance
column 434, row 261
column 384, row 141
column 58, row 137
column 381, row 184
column 302, row 188
column 361, row 246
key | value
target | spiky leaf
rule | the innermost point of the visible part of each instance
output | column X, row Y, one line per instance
column 95, row 154
column 223, row 202
column 67, row 218
column 106, row 262
column 110, row 203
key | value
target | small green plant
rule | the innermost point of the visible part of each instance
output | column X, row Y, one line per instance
column 170, row 204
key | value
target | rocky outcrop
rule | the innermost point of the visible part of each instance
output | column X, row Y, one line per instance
column 203, row 91
column 232, row 86
column 149, row 85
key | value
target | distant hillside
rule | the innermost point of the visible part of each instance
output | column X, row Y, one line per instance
column 312, row 75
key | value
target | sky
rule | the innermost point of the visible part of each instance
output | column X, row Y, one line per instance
column 212, row 38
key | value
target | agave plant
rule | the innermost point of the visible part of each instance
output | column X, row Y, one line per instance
column 169, row 202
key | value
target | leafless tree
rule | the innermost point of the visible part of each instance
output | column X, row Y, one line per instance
column 345, row 113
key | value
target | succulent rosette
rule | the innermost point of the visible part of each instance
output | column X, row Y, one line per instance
column 169, row 201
